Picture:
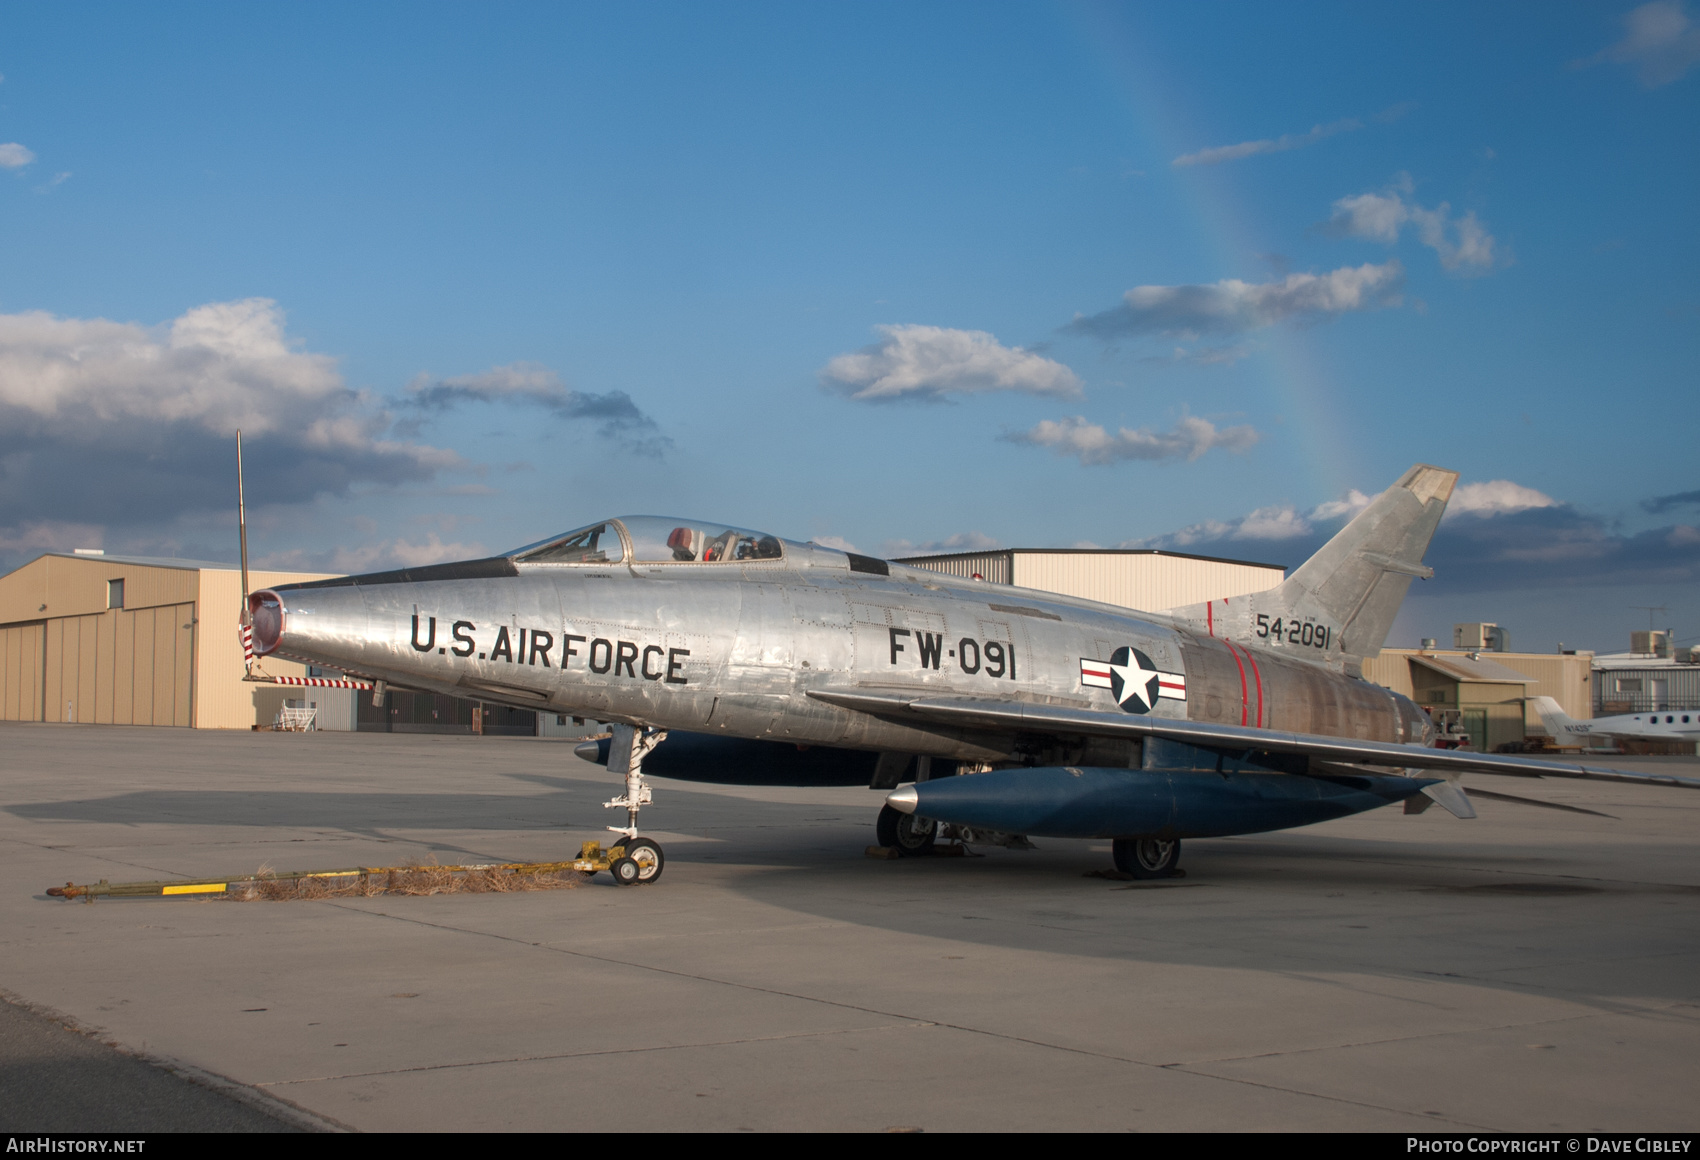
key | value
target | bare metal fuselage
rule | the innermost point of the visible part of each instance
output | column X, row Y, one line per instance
column 736, row 648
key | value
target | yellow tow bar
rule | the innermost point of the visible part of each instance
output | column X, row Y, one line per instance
column 633, row 860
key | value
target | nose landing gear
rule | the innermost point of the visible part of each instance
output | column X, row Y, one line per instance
column 641, row 859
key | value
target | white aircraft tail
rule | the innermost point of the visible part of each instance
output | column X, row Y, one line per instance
column 1340, row 605
column 1558, row 723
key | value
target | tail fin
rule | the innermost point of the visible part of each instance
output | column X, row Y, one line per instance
column 1340, row 605
column 1557, row 722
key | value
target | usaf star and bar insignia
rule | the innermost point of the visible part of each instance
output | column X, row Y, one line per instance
column 1133, row 680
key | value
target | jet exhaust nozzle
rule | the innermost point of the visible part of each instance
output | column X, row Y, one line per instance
column 1092, row 802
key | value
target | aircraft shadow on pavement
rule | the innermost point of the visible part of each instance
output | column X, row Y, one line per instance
column 1306, row 901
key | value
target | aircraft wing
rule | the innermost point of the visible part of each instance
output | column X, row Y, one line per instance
column 1021, row 716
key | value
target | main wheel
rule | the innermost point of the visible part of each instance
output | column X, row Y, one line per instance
column 909, row 835
column 648, row 857
column 1146, row 857
column 625, row 871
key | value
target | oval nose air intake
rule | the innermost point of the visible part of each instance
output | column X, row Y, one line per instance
column 266, row 611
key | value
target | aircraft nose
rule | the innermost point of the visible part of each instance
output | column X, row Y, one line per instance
column 903, row 800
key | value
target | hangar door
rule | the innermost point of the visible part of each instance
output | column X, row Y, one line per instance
column 21, row 648
column 123, row 667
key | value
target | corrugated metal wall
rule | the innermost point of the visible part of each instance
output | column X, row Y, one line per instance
column 54, row 586
column 21, row 653
column 123, row 667
column 993, row 567
column 1138, row 580
column 1148, row 581
column 1643, row 690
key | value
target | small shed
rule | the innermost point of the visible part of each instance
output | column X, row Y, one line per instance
column 1486, row 696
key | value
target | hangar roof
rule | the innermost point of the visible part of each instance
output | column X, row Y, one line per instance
column 1473, row 669
column 148, row 561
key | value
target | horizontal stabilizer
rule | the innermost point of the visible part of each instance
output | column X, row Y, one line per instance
column 1450, row 798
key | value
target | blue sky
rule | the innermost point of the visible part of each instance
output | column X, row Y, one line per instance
column 884, row 275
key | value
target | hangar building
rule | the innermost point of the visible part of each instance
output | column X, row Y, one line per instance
column 1146, row 579
column 133, row 640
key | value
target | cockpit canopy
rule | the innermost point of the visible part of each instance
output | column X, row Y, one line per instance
column 653, row 540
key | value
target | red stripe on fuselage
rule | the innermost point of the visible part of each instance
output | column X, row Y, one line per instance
column 1258, row 677
column 1209, row 617
column 1241, row 666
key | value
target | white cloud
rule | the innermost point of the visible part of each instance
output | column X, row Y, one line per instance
column 1203, row 356
column 1281, row 522
column 1462, row 243
column 1353, row 502
column 374, row 557
column 99, row 418
column 961, row 542
column 1276, row 522
column 1092, row 444
column 838, row 542
column 1496, row 497
column 51, row 536
column 930, row 362
column 1232, row 306
column 219, row 367
column 1286, row 522
column 1279, row 144
column 1659, row 40
column 14, row 156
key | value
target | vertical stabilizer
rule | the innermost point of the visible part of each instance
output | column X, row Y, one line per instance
column 1340, row 605
column 1559, row 724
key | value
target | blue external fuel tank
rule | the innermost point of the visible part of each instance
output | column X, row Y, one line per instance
column 1094, row 802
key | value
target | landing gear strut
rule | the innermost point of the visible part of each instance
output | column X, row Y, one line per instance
column 1146, row 857
column 643, row 859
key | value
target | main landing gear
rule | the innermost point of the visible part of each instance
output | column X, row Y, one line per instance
column 1146, row 857
column 910, row 836
column 632, row 860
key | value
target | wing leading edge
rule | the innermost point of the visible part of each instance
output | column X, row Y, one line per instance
column 1019, row 716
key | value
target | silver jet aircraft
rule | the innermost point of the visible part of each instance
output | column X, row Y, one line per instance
column 1062, row 717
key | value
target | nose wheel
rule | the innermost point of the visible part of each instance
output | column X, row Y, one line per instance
column 642, row 863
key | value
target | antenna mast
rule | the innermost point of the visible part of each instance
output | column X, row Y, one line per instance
column 1649, row 609
column 242, row 531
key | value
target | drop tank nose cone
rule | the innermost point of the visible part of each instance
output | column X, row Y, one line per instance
column 903, row 800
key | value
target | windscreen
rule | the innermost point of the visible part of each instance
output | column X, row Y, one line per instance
column 598, row 544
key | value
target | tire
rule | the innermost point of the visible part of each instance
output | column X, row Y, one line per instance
column 910, row 836
column 625, row 871
column 1146, row 857
column 648, row 857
